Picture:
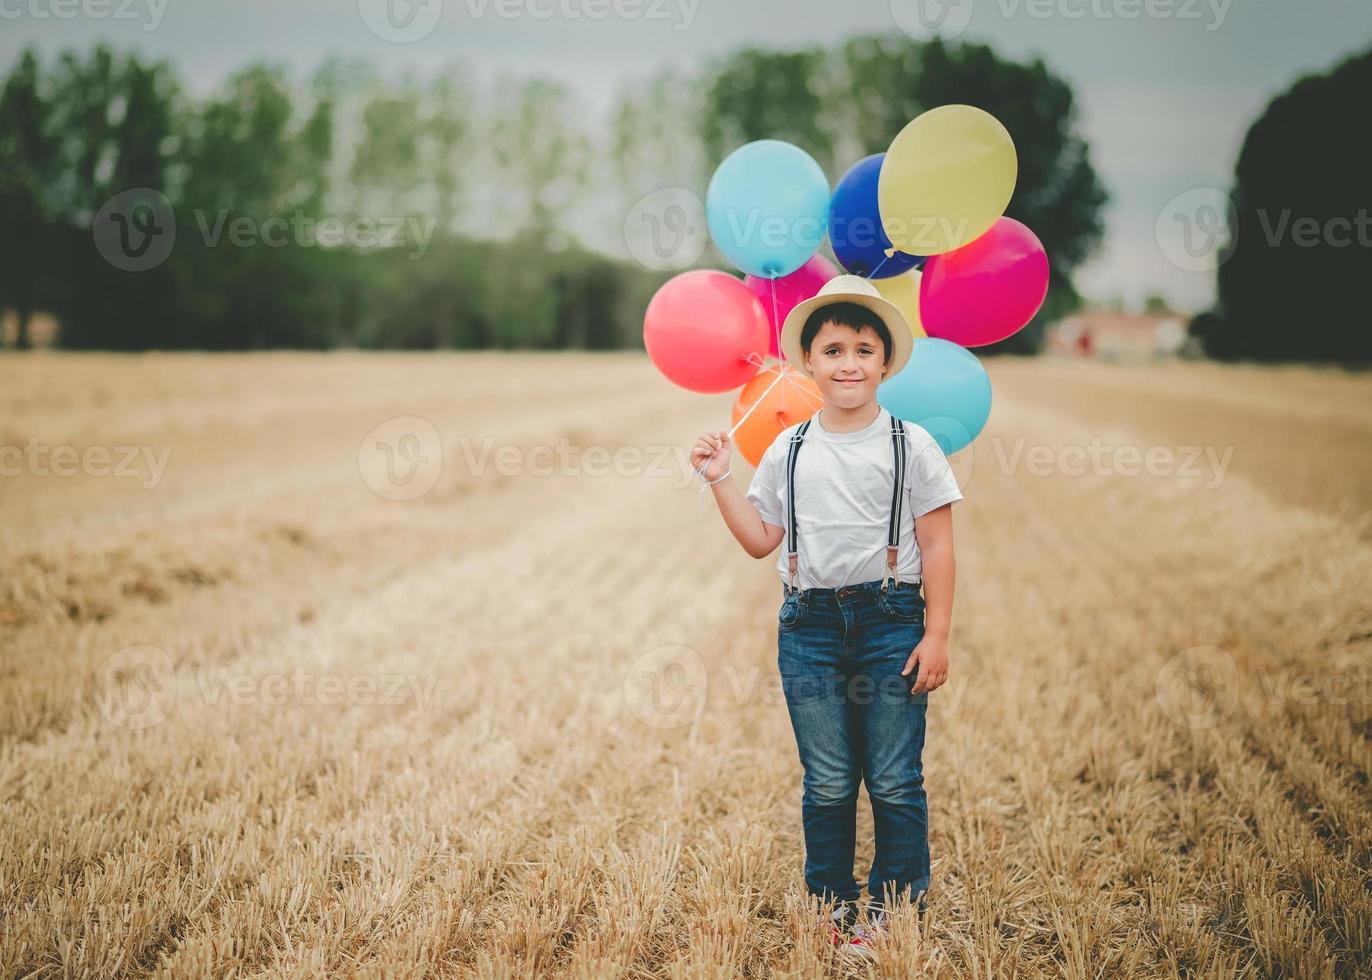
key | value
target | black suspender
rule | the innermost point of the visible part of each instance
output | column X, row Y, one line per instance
column 791, row 497
column 897, row 498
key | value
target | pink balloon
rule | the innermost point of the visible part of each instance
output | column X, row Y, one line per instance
column 986, row 290
column 790, row 290
column 705, row 331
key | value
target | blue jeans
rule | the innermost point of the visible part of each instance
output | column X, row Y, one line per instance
column 840, row 653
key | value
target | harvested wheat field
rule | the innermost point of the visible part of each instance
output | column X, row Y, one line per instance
column 487, row 693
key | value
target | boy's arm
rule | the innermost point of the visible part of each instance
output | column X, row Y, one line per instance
column 928, row 662
column 934, row 533
column 758, row 538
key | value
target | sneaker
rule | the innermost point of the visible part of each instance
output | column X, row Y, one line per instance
column 839, row 924
column 868, row 936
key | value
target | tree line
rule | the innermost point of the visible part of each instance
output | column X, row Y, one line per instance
column 1299, row 246
column 351, row 209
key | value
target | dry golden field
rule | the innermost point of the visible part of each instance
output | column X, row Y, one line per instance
column 261, row 715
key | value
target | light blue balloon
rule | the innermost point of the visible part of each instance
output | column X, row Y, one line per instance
column 767, row 207
column 942, row 388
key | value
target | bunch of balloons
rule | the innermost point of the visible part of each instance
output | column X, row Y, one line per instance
column 924, row 221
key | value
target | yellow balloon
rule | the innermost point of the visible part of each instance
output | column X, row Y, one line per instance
column 903, row 290
column 946, row 178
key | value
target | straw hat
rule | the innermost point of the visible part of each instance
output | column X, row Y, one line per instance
column 849, row 289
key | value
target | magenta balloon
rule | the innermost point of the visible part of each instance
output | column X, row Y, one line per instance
column 986, row 290
column 791, row 290
column 705, row 331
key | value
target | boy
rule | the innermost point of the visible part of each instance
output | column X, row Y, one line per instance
column 864, row 503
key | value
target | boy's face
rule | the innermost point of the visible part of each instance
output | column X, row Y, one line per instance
column 848, row 364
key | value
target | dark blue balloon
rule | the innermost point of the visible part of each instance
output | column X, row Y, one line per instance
column 855, row 231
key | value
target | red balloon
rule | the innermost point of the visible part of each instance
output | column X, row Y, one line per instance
column 791, row 290
column 705, row 331
column 986, row 290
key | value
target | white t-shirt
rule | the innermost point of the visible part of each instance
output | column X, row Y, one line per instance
column 843, row 500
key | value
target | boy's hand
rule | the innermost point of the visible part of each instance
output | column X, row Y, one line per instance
column 929, row 663
column 713, row 446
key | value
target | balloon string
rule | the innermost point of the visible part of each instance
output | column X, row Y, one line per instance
column 878, row 268
column 781, row 376
column 776, row 331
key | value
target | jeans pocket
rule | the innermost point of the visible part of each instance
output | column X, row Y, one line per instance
column 903, row 603
column 792, row 611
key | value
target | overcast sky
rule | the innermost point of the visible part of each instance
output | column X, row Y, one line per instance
column 1167, row 87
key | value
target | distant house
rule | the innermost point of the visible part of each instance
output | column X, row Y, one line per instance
column 1110, row 335
column 42, row 329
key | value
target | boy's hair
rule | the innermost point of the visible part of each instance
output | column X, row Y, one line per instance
column 849, row 315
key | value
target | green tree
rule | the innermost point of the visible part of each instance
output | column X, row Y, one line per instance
column 757, row 94
column 387, row 164
column 28, row 160
column 241, row 155
column 654, row 136
column 544, row 154
column 1057, row 193
column 258, row 151
column 448, row 131
column 1156, row 304
column 115, row 121
column 1293, row 286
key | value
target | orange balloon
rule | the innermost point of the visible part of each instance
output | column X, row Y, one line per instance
column 794, row 400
